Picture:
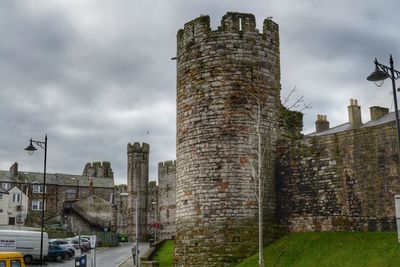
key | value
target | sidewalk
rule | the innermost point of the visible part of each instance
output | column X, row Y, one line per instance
column 128, row 262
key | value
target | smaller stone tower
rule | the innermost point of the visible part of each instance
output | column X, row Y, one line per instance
column 98, row 169
column 138, row 179
column 167, row 198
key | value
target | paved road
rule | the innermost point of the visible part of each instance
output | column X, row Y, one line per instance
column 105, row 257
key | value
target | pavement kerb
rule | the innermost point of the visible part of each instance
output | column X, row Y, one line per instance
column 124, row 261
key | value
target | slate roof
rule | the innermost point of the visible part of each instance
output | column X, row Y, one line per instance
column 390, row 117
column 3, row 191
column 56, row 179
column 336, row 129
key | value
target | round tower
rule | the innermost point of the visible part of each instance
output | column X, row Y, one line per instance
column 218, row 71
column 138, row 180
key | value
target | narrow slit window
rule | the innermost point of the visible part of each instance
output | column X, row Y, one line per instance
column 240, row 24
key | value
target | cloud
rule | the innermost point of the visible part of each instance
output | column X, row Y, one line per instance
column 97, row 75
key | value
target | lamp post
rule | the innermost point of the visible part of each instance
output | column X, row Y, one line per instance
column 381, row 73
column 30, row 149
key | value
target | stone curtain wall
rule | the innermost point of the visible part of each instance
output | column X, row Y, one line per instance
column 167, row 198
column 217, row 211
column 340, row 182
column 138, row 179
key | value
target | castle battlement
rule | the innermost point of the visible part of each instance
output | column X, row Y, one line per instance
column 138, row 147
column 232, row 22
column 169, row 165
column 98, row 169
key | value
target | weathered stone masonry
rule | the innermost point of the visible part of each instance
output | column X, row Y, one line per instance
column 216, row 212
column 340, row 182
column 167, row 198
column 138, row 179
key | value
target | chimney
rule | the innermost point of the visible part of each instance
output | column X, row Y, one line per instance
column 14, row 170
column 321, row 124
column 377, row 112
column 354, row 114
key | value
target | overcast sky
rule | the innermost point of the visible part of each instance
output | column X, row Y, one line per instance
column 96, row 75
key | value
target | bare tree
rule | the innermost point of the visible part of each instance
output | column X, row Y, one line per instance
column 261, row 161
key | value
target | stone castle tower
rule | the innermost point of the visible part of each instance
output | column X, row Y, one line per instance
column 138, row 179
column 167, row 198
column 217, row 71
column 98, row 169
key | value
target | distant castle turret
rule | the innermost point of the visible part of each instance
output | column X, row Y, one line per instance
column 138, row 179
column 98, row 169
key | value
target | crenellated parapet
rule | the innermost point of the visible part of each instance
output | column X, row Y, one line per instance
column 167, row 166
column 231, row 23
column 98, row 169
column 138, row 147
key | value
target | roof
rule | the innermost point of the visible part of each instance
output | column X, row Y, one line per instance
column 387, row 118
column 55, row 179
column 3, row 191
column 336, row 129
column 381, row 120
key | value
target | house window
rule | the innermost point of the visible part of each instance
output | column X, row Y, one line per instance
column 1, row 210
column 1, row 196
column 38, row 189
column 16, row 198
column 37, row 204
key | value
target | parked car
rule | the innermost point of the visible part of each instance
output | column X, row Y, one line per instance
column 87, row 237
column 85, row 240
column 11, row 259
column 65, row 244
column 84, row 244
column 56, row 253
column 122, row 237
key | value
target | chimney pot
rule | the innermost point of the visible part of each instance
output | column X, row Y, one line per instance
column 354, row 114
column 14, row 169
column 322, row 124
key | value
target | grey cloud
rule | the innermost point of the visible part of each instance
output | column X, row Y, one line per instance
column 96, row 76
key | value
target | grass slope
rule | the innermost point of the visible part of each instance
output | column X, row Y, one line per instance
column 339, row 249
column 165, row 254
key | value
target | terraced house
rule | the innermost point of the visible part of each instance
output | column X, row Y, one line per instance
column 62, row 191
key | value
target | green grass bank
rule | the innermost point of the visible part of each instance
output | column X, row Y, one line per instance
column 165, row 255
column 334, row 249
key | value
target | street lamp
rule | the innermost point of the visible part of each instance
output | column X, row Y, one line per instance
column 381, row 73
column 30, row 149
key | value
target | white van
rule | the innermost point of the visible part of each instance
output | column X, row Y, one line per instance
column 26, row 242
